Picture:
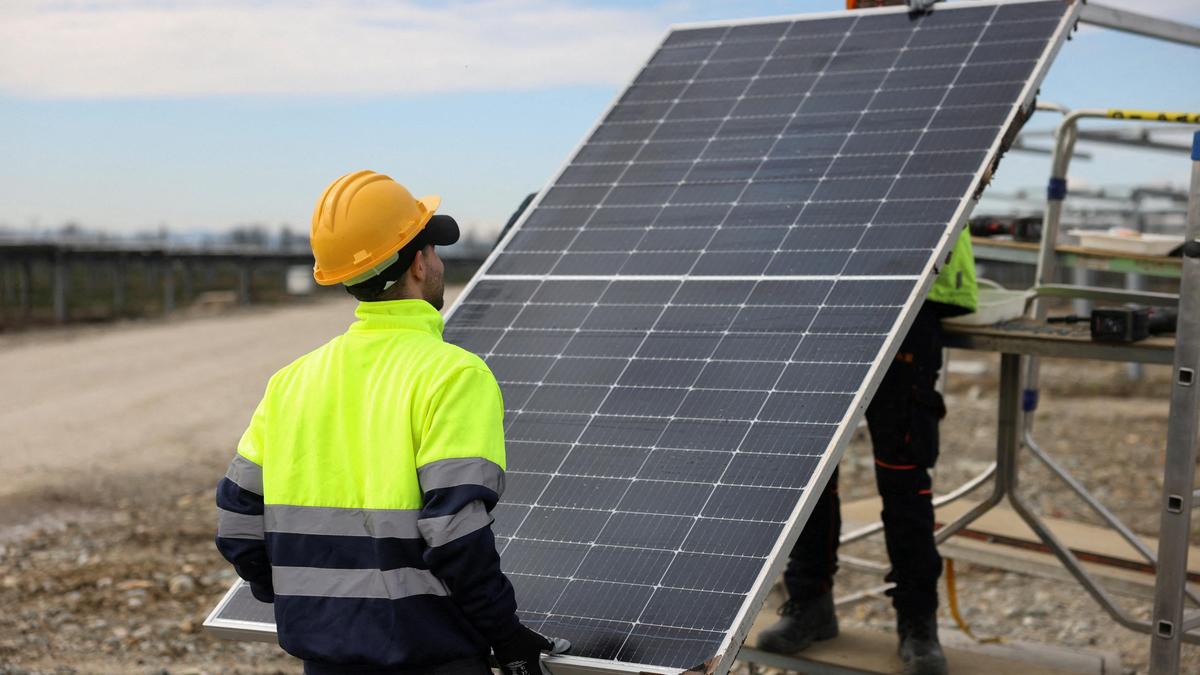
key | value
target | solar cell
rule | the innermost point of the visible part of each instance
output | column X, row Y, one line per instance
column 697, row 308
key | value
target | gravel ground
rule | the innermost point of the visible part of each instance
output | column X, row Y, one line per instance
column 123, row 591
column 120, row 577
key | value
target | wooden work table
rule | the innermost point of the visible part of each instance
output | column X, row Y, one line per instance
column 1027, row 336
column 1005, row 250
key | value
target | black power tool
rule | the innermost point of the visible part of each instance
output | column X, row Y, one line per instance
column 1125, row 324
column 1020, row 229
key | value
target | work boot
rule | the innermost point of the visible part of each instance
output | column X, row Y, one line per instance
column 919, row 647
column 800, row 626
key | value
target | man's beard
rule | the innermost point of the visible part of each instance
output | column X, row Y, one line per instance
column 435, row 292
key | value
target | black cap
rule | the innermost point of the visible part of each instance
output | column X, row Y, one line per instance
column 439, row 231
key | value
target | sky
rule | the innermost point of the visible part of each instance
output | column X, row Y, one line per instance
column 131, row 115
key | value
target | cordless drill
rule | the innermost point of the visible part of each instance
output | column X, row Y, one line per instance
column 1125, row 324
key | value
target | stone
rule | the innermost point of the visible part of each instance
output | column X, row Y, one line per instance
column 181, row 584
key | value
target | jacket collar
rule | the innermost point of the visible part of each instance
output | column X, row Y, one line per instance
column 415, row 315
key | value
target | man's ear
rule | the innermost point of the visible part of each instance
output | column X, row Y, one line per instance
column 417, row 269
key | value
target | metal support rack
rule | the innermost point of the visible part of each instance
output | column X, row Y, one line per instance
column 1018, row 405
column 1022, row 343
column 1179, row 421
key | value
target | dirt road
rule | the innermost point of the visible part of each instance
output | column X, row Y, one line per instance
column 87, row 411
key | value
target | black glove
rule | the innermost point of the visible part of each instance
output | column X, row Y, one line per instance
column 521, row 653
column 262, row 593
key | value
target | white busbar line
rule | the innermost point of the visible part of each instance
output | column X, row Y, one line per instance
column 697, row 277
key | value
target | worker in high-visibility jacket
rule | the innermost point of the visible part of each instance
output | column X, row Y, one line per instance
column 359, row 499
column 903, row 420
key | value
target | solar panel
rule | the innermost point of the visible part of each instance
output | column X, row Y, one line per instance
column 695, row 312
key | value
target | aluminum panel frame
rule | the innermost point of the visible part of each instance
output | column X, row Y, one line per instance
column 235, row 629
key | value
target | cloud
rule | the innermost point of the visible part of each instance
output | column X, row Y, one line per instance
column 164, row 48
column 54, row 49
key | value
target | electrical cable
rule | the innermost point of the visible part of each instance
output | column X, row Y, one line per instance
column 952, row 596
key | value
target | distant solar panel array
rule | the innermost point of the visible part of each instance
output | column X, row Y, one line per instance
column 691, row 315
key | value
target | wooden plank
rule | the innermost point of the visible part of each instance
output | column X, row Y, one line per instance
column 1077, row 256
column 1035, row 247
column 1001, row 528
column 1117, row 580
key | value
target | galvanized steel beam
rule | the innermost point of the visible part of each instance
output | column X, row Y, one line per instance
column 1140, row 24
column 1180, row 464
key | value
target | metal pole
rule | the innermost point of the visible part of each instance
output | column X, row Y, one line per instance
column 1180, row 464
column 118, row 284
column 1140, row 24
column 60, row 287
column 26, row 288
column 1008, row 423
column 185, row 277
column 1136, row 282
column 168, row 285
column 1047, row 266
column 1008, row 438
column 1081, row 276
column 245, row 276
column 10, row 288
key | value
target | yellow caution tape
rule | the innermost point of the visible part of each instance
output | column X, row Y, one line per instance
column 1184, row 117
column 952, row 595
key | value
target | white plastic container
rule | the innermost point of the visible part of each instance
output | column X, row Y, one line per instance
column 1120, row 240
column 996, row 304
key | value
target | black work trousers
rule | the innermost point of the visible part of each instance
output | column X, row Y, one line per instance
column 903, row 421
column 461, row 667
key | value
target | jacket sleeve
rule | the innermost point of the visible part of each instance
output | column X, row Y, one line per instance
column 240, row 527
column 460, row 465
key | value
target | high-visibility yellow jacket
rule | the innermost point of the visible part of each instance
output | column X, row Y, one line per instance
column 955, row 283
column 359, row 498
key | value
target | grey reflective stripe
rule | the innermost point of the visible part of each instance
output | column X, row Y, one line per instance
column 444, row 529
column 246, row 474
column 239, row 525
column 394, row 584
column 462, row 471
column 376, row 523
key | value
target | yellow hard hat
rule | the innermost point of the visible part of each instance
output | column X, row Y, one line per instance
column 362, row 219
